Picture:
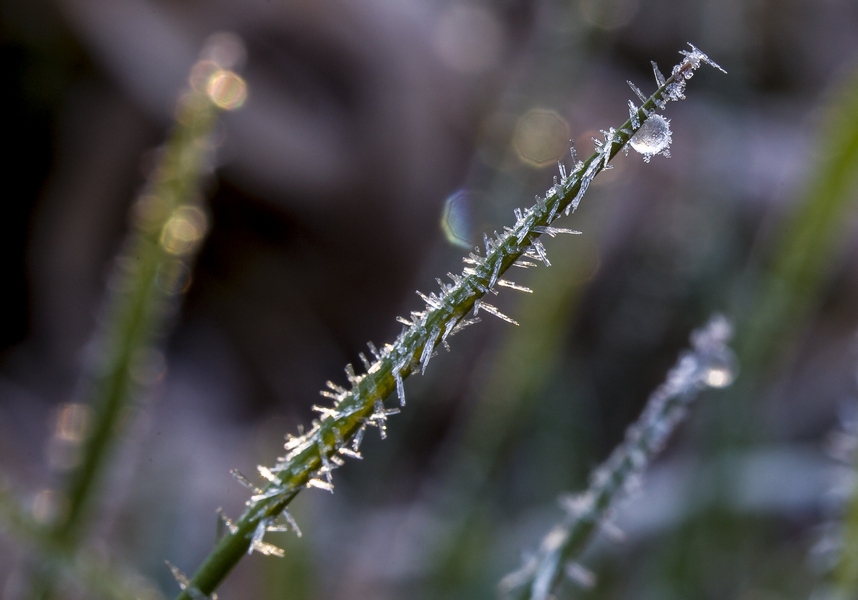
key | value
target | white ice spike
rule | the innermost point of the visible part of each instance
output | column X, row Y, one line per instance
column 494, row 311
column 659, row 76
column 637, row 92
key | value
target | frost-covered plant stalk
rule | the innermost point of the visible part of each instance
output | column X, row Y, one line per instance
column 312, row 456
column 709, row 363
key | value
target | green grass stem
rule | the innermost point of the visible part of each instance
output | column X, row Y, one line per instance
column 313, row 455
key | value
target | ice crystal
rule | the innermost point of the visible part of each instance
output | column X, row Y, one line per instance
column 256, row 543
column 243, row 480
column 695, row 57
column 290, row 520
column 428, row 348
column 320, row 484
column 633, row 115
column 350, row 374
column 346, row 451
column 637, row 91
column 494, row 311
column 400, row 386
column 659, row 76
column 553, row 231
column 358, row 438
column 514, row 286
column 185, row 584
column 431, row 301
column 523, row 263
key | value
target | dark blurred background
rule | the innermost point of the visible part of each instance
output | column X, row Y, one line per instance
column 379, row 140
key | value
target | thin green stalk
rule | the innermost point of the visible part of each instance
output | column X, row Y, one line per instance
column 312, row 456
column 145, row 284
column 710, row 363
column 152, row 271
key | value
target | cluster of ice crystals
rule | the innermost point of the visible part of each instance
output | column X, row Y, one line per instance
column 256, row 543
column 652, row 133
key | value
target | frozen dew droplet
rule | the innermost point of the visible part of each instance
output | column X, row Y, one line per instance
column 721, row 371
column 654, row 137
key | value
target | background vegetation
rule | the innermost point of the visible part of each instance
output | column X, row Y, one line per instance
column 326, row 212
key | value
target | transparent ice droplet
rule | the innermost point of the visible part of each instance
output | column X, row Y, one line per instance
column 652, row 138
column 721, row 371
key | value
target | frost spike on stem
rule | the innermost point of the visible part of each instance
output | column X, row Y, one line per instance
column 494, row 311
column 243, row 480
column 400, row 387
column 659, row 76
column 637, row 91
column 633, row 115
column 514, row 286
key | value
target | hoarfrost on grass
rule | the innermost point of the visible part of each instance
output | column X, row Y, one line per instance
column 311, row 456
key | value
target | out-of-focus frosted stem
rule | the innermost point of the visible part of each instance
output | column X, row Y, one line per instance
column 152, row 271
column 709, row 363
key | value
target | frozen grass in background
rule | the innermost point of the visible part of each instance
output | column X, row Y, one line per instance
column 709, row 363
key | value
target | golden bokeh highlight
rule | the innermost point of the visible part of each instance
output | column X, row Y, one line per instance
column 226, row 89
column 183, row 230
column 72, row 422
column 541, row 137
